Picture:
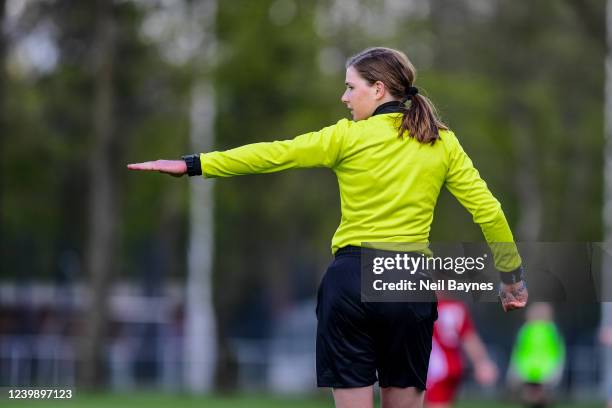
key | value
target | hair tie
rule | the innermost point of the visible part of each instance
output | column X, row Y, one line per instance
column 412, row 90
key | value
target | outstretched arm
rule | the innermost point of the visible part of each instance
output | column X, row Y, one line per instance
column 314, row 149
column 485, row 370
column 465, row 183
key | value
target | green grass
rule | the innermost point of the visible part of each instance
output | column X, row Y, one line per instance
column 150, row 400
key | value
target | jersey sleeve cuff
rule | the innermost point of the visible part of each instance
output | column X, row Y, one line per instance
column 514, row 276
column 194, row 167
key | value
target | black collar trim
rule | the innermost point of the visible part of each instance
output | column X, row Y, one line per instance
column 389, row 107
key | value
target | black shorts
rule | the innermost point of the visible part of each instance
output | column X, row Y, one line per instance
column 357, row 340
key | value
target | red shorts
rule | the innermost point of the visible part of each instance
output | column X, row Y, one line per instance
column 443, row 391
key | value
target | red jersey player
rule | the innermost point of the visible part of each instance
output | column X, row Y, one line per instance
column 452, row 330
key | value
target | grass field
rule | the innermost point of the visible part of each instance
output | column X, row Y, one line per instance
column 150, row 400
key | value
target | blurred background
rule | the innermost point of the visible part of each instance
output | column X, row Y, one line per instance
column 126, row 282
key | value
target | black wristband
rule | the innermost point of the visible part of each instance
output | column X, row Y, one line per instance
column 514, row 276
column 194, row 167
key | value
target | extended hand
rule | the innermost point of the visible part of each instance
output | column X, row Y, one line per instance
column 513, row 296
column 605, row 336
column 486, row 373
column 175, row 168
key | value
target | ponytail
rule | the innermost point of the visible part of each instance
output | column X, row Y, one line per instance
column 421, row 120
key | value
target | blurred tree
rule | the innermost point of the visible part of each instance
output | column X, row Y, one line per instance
column 200, row 351
column 106, row 93
column 50, row 122
column 104, row 161
column 269, row 86
column 3, row 124
column 184, row 35
column 606, row 307
column 536, row 136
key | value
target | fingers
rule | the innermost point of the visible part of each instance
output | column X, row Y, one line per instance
column 509, row 305
column 173, row 167
column 605, row 336
column 145, row 166
column 510, row 302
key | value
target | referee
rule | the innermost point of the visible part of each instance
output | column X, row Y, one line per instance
column 391, row 161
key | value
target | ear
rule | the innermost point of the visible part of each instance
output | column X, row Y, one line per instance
column 380, row 89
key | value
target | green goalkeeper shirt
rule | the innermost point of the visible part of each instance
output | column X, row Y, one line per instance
column 388, row 186
column 539, row 353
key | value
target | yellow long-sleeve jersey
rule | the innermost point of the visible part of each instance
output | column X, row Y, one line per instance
column 388, row 186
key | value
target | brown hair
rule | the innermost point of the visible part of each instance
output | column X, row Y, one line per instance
column 394, row 69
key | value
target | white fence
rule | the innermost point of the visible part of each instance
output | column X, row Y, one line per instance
column 145, row 348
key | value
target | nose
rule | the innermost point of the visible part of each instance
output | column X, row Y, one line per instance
column 344, row 97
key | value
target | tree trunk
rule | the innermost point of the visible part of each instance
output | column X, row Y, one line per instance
column 200, row 338
column 529, row 224
column 101, row 250
column 200, row 329
column 606, row 308
column 3, row 116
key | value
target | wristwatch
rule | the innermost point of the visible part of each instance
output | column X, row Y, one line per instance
column 194, row 167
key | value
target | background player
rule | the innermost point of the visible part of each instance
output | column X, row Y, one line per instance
column 453, row 331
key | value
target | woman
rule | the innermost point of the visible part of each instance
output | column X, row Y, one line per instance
column 391, row 162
